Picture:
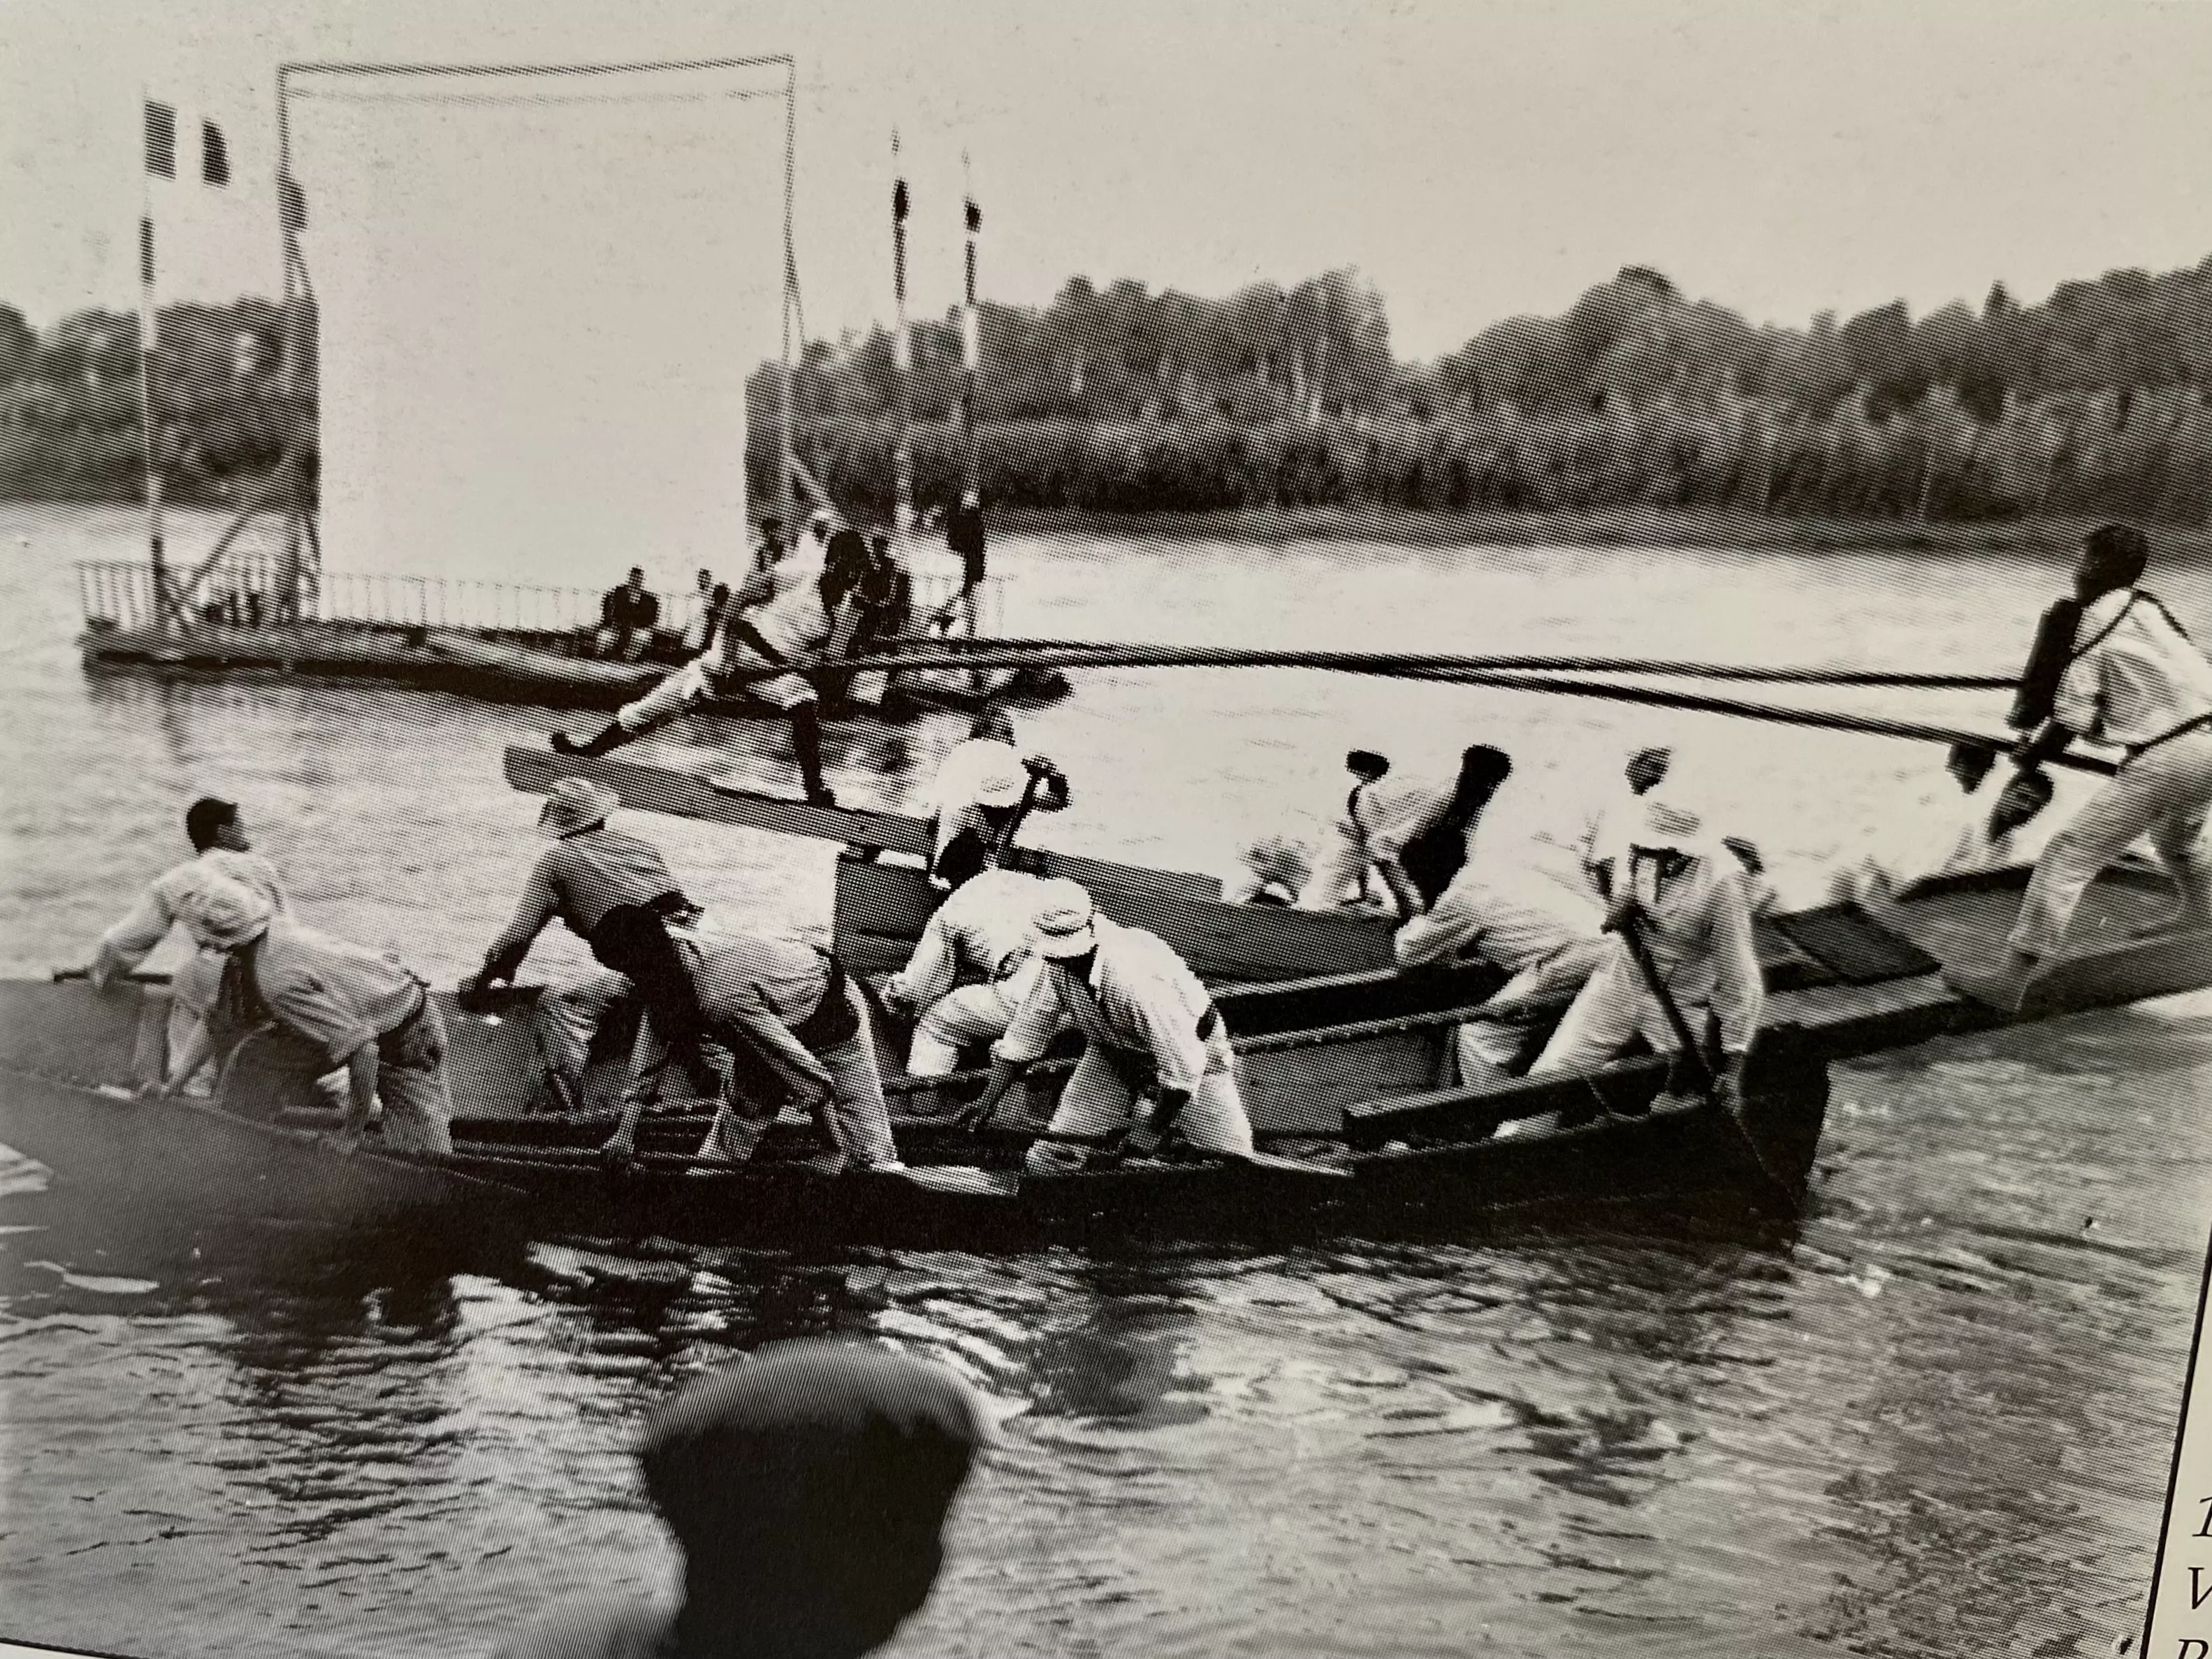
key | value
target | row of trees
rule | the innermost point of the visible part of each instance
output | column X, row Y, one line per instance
column 1122, row 399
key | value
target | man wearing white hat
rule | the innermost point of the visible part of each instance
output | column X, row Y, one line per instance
column 589, row 872
column 365, row 1011
column 1149, row 1027
column 979, row 786
column 220, row 851
column 1687, row 895
column 983, row 933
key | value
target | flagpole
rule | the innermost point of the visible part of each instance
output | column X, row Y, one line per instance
column 902, row 361
column 789, row 496
column 148, row 345
column 971, row 360
column 288, row 352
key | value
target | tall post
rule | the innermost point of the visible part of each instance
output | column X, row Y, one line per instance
column 787, row 493
column 291, row 597
column 971, row 470
column 161, row 155
column 902, row 361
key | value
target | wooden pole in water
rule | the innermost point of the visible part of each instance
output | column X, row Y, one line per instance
column 787, row 495
column 290, row 209
column 971, row 362
column 902, row 362
column 161, row 155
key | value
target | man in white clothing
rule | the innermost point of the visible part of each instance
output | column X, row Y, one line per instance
column 979, row 786
column 1547, row 939
column 1150, row 1029
column 983, row 934
column 220, row 853
column 1345, row 873
column 758, row 654
column 2133, row 679
column 1686, row 895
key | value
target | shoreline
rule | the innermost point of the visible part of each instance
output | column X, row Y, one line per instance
column 1670, row 528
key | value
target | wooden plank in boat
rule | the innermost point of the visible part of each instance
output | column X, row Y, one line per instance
column 881, row 909
column 681, row 794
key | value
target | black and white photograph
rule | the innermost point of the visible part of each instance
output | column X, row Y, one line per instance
column 1337, row 829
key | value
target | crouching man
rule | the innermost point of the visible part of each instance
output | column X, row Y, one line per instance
column 1149, row 1028
column 797, row 1031
column 365, row 1011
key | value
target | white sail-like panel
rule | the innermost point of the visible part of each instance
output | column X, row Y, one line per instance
column 539, row 299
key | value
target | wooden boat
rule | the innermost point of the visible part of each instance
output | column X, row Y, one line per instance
column 1341, row 1072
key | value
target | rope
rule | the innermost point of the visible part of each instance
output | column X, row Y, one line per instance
column 1108, row 655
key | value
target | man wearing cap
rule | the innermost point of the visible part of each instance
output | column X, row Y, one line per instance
column 220, row 852
column 1548, row 939
column 590, row 871
column 980, row 786
column 758, row 654
column 2134, row 679
column 1686, row 894
column 363, row 1008
column 983, row 934
column 797, row 1031
column 807, row 1486
column 627, row 616
column 1149, row 1027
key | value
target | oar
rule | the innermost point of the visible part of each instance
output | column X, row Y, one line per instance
column 1003, row 842
column 1701, row 1071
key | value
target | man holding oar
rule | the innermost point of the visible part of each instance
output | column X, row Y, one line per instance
column 1684, row 958
column 1420, row 850
column 1150, row 1029
column 2133, row 678
column 984, row 788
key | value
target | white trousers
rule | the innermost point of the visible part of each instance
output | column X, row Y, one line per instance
column 1613, row 1008
column 2166, row 794
column 1098, row 1101
column 966, row 1016
column 1485, row 1048
column 681, row 692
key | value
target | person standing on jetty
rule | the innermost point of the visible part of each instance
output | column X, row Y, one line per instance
column 220, row 852
column 2134, row 679
column 1149, row 1028
column 757, row 655
column 807, row 1487
column 627, row 616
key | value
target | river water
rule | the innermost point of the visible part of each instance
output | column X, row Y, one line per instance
column 1934, row 1419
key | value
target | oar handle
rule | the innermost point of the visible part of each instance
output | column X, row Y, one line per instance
column 1631, row 933
column 1004, row 840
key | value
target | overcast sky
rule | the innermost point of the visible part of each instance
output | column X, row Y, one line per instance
column 1474, row 161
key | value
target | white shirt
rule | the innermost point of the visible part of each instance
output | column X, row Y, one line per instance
column 2139, row 679
column 163, row 904
column 696, row 605
column 1141, row 997
column 1697, row 923
column 1514, row 918
column 1390, row 811
column 985, row 928
column 959, row 781
column 795, row 622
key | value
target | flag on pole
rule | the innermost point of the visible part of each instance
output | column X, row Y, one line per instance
column 161, row 141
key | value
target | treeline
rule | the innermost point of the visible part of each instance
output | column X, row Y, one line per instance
column 2094, row 401
column 69, row 407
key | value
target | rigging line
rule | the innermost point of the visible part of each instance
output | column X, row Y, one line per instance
column 1113, row 655
column 403, row 96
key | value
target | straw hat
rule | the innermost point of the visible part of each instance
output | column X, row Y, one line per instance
column 223, row 914
column 1064, row 921
column 1002, row 783
column 575, row 804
